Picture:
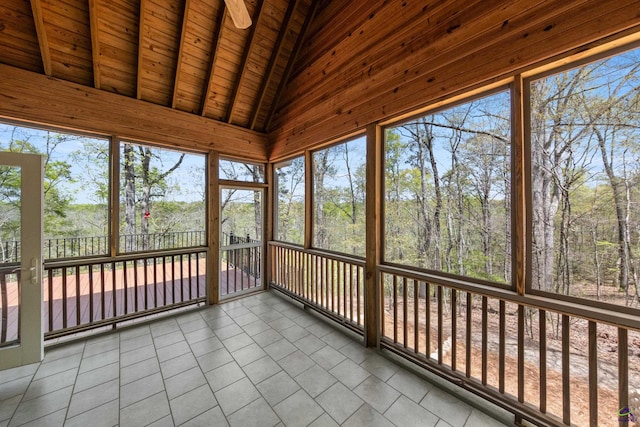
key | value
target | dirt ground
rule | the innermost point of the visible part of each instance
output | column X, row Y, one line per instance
column 607, row 354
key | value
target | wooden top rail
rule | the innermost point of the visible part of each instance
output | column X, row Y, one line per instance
column 349, row 259
column 120, row 258
column 614, row 316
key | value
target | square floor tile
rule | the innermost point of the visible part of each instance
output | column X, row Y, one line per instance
column 339, row 402
column 236, row 396
column 136, row 371
column 409, row 384
column 213, row 417
column 315, row 380
column 380, row 367
column 214, row 359
column 310, row 344
column 296, row 363
column 177, row 365
column 237, row 342
column 140, row 389
column 203, row 347
column 267, row 336
column 324, row 420
column 278, row 387
column 192, row 404
column 184, row 382
column 41, row 406
column 356, row 351
column 173, row 350
column 261, row 369
column 405, row 412
column 349, row 373
column 224, row 375
column 256, row 414
column 48, row 384
column 377, row 393
column 105, row 415
column 94, row 397
column 248, row 354
column 446, row 406
column 328, row 357
column 298, row 409
column 145, row 411
column 280, row 349
column 367, row 416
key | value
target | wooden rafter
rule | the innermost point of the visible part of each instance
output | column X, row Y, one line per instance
column 141, row 35
column 275, row 54
column 180, row 61
column 95, row 42
column 41, row 31
column 243, row 63
column 222, row 18
column 292, row 59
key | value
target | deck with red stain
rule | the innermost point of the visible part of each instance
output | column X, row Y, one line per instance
column 103, row 294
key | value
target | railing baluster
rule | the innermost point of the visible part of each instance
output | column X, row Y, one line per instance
column 4, row 305
column 90, row 293
column 454, row 327
column 566, row 374
column 593, row 374
column 484, row 339
column 405, row 314
column 440, row 318
column 78, row 292
column 395, row 309
column 623, row 370
column 64, row 297
column 51, row 298
column 416, row 320
column 469, row 342
column 102, row 295
column 542, row 321
column 501, row 346
column 125, row 283
column 181, row 278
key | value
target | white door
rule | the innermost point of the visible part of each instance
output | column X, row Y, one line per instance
column 21, row 223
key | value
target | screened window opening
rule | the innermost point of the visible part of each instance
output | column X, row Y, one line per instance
column 290, row 216
column 448, row 190
column 339, row 174
column 162, row 198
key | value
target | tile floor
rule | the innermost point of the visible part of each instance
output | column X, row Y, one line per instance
column 256, row 361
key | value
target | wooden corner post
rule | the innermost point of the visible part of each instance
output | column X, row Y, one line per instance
column 372, row 305
column 213, row 229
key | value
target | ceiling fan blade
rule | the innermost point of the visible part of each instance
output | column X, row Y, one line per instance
column 239, row 13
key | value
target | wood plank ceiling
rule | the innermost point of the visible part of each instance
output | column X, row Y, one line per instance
column 186, row 55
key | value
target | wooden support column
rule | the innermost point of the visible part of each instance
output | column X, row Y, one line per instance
column 308, row 199
column 372, row 305
column 213, row 229
column 271, row 194
column 114, row 196
column 520, row 178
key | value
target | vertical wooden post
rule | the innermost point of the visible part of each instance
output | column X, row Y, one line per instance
column 520, row 174
column 372, row 305
column 271, row 193
column 114, row 199
column 308, row 197
column 213, row 229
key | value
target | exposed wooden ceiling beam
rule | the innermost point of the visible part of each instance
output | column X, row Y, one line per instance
column 243, row 63
column 180, row 60
column 41, row 31
column 95, row 42
column 38, row 99
column 222, row 19
column 275, row 54
column 294, row 54
column 141, row 33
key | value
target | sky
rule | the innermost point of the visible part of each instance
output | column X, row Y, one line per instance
column 188, row 180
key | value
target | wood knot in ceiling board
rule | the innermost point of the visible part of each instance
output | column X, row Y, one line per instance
column 549, row 27
column 452, row 28
column 2, row 26
column 431, row 79
column 505, row 23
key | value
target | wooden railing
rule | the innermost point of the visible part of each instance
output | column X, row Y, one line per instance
column 330, row 283
column 545, row 360
column 241, row 264
column 87, row 246
column 85, row 294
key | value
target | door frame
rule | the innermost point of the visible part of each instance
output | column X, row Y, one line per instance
column 30, row 345
column 242, row 186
